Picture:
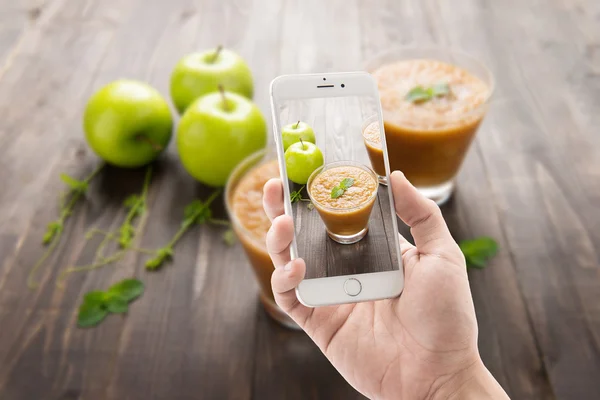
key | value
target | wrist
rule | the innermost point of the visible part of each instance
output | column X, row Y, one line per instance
column 474, row 382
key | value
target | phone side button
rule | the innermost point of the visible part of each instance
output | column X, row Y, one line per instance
column 352, row 287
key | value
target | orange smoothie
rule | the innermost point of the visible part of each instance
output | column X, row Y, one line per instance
column 250, row 222
column 428, row 140
column 348, row 214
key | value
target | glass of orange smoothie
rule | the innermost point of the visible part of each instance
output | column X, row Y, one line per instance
column 243, row 198
column 433, row 101
column 344, row 209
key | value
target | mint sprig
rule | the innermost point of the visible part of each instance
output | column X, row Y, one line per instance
column 420, row 94
column 98, row 304
column 478, row 251
column 340, row 189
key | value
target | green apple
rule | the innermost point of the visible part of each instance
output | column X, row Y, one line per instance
column 201, row 73
column 127, row 123
column 301, row 159
column 216, row 133
column 295, row 131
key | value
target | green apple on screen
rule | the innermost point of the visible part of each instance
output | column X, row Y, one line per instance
column 295, row 131
column 201, row 73
column 127, row 123
column 218, row 131
column 301, row 159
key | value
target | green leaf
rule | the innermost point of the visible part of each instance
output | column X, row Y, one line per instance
column 418, row 94
column 229, row 237
column 90, row 314
column 440, row 89
column 192, row 209
column 95, row 297
column 478, row 251
column 336, row 192
column 52, row 229
column 131, row 201
column 116, row 305
column 127, row 289
column 74, row 184
column 296, row 195
column 346, row 183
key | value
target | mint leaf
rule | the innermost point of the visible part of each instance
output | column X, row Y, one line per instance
column 127, row 289
column 440, row 89
column 336, row 192
column 296, row 195
column 90, row 314
column 76, row 185
column 53, row 228
column 417, row 94
column 478, row 251
column 420, row 94
column 131, row 201
column 346, row 183
column 229, row 237
column 116, row 305
column 95, row 297
column 340, row 189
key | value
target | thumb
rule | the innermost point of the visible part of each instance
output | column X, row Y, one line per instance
column 422, row 215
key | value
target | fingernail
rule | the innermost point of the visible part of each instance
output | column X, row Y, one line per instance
column 288, row 266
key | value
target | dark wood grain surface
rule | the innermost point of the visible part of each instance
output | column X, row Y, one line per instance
column 531, row 180
column 337, row 123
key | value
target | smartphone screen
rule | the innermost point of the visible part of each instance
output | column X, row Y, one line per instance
column 343, row 215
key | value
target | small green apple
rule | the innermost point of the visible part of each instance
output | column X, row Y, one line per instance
column 201, row 73
column 216, row 133
column 301, row 159
column 295, row 131
column 127, row 123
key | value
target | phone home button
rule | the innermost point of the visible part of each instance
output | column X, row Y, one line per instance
column 352, row 287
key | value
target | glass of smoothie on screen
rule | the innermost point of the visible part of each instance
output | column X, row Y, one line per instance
column 433, row 101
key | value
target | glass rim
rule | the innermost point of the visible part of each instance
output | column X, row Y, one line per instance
column 341, row 164
column 375, row 62
column 259, row 156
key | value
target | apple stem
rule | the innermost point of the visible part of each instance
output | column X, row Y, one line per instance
column 302, row 144
column 222, row 90
column 217, row 52
column 145, row 139
column 297, row 123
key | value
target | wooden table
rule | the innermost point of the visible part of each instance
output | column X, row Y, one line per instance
column 531, row 181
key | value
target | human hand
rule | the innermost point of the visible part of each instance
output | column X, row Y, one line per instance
column 421, row 345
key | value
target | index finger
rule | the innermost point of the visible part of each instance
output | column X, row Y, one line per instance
column 273, row 198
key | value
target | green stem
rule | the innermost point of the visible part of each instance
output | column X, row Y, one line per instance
column 99, row 259
column 65, row 212
column 90, row 267
column 31, row 283
column 222, row 222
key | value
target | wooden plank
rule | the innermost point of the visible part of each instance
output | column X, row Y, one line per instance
column 290, row 366
column 539, row 195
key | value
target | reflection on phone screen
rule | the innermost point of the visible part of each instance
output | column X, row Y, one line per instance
column 336, row 175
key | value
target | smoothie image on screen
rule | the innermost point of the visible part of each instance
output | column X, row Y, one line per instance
column 343, row 193
column 343, row 218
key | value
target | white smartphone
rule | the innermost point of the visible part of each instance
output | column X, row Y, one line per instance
column 333, row 161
